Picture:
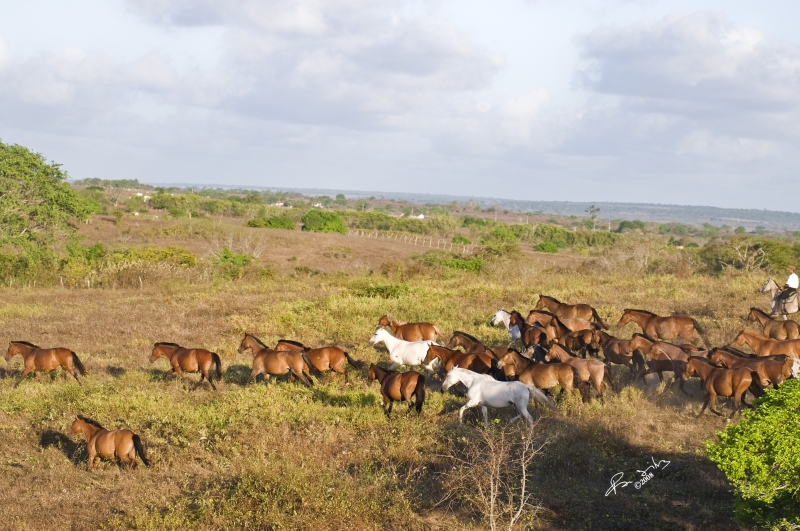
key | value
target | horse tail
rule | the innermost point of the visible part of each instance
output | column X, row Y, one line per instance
column 607, row 376
column 496, row 372
column 419, row 393
column 358, row 365
column 436, row 329
column 639, row 361
column 698, row 327
column 597, row 318
column 137, row 443
column 539, row 397
column 755, row 387
column 78, row 364
column 311, row 367
column 218, row 363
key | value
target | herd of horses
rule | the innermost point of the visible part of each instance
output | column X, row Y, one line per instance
column 557, row 346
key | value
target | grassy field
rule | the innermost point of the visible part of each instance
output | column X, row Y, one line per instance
column 282, row 456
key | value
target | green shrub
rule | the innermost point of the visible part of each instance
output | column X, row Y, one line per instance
column 546, row 247
column 382, row 291
column 461, row 240
column 321, row 221
column 630, row 225
column 759, row 457
column 272, row 222
column 230, row 265
column 474, row 264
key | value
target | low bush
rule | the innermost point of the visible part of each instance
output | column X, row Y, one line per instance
column 321, row 221
column 382, row 291
column 546, row 247
column 272, row 222
column 461, row 240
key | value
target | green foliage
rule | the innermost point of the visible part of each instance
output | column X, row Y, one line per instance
column 340, row 199
column 272, row 222
column 739, row 230
column 469, row 221
column 546, row 247
column 94, row 182
column 461, row 240
column 563, row 238
column 630, row 225
column 759, row 457
column 321, row 221
column 502, row 233
column 230, row 265
column 748, row 253
column 382, row 291
column 474, row 264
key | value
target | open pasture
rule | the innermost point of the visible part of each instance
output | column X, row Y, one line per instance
column 284, row 456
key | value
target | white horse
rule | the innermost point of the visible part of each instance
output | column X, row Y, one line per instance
column 504, row 317
column 483, row 390
column 790, row 306
column 403, row 352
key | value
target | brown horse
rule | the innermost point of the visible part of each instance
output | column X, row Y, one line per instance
column 398, row 386
column 472, row 346
column 670, row 327
column 122, row 444
column 410, row 331
column 569, row 311
column 546, row 318
column 531, row 335
column 770, row 371
column 541, row 375
column 583, row 341
column 277, row 362
column 722, row 382
column 189, row 360
column 780, row 330
column 38, row 360
column 480, row 362
column 661, row 357
column 620, row 352
column 764, row 346
column 323, row 358
column 589, row 370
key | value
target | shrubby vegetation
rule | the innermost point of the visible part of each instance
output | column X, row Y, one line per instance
column 322, row 221
column 272, row 222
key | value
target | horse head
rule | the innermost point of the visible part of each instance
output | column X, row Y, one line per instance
column 769, row 285
column 453, row 377
column 380, row 335
column 499, row 317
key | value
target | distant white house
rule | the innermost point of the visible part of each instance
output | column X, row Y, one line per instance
column 421, row 216
column 318, row 205
column 282, row 204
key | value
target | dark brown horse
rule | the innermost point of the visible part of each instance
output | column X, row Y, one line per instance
column 480, row 362
column 764, row 346
column 583, row 341
column 780, row 330
column 472, row 345
column 531, row 335
column 620, row 352
column 770, row 371
column 590, row 371
column 271, row 362
column 189, row 360
column 410, row 331
column 670, row 327
column 662, row 357
column 541, row 375
column 569, row 311
column 722, row 382
column 398, row 386
column 122, row 444
column 38, row 360
column 323, row 358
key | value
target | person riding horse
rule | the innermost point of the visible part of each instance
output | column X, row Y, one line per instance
column 790, row 288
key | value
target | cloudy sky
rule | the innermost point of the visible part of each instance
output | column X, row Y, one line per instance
column 642, row 101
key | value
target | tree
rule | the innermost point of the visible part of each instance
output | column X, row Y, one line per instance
column 36, row 203
column 321, row 221
column 593, row 212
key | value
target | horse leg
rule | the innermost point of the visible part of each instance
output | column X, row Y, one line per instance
column 389, row 409
column 705, row 404
column 253, row 375
column 204, row 374
column 712, row 402
column 25, row 373
column 485, row 412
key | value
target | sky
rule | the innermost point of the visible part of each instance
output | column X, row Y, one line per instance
column 567, row 100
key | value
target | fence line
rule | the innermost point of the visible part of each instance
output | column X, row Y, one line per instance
column 443, row 244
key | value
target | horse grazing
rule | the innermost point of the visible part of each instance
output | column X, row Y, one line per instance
column 189, row 360
column 410, row 331
column 481, row 362
column 722, row 382
column 323, row 358
column 774, row 290
column 542, row 375
column 590, row 371
column 770, row 371
column 780, row 330
column 661, row 356
column 670, row 327
column 502, row 316
column 38, row 360
column 277, row 362
column 402, row 352
column 569, row 311
column 483, row 390
column 620, row 352
column 122, row 444
column 764, row 346
column 398, row 386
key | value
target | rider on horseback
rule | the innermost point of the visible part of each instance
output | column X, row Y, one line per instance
column 790, row 288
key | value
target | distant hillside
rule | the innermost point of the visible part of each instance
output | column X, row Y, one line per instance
column 694, row 215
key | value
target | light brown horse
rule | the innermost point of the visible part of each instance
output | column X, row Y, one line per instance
column 569, row 311
column 764, row 346
column 122, row 444
column 472, row 345
column 189, row 360
column 670, row 327
column 661, row 357
column 620, row 352
column 582, row 341
column 722, row 382
column 398, row 386
column 410, row 331
column 770, row 371
column 541, row 375
column 531, row 335
column 589, row 370
column 323, row 358
column 546, row 318
column 480, row 362
column 38, row 360
column 271, row 362
column 780, row 330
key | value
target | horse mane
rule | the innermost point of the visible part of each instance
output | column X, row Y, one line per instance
column 165, row 344
column 626, row 310
column 545, row 312
column 289, row 341
column 91, row 421
column 472, row 338
column 549, row 297
column 26, row 343
column 759, row 310
column 392, row 320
